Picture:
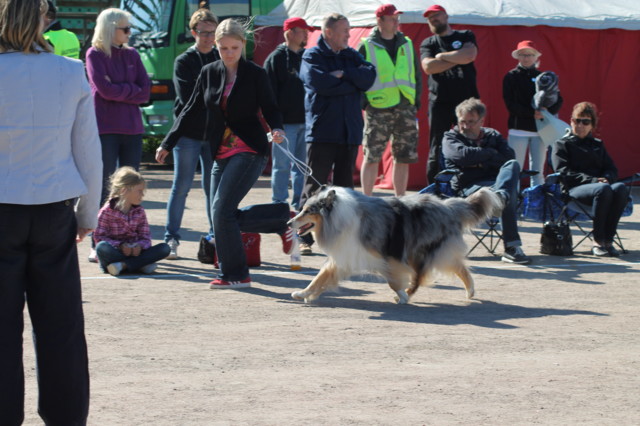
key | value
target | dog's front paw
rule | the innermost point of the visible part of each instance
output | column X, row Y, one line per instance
column 470, row 293
column 298, row 295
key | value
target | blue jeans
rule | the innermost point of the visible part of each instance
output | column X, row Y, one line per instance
column 282, row 166
column 39, row 264
column 118, row 151
column 186, row 154
column 505, row 183
column 537, row 155
column 606, row 202
column 231, row 180
column 108, row 254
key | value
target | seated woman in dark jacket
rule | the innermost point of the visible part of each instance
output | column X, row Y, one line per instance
column 590, row 175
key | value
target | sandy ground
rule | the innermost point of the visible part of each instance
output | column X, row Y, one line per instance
column 555, row 342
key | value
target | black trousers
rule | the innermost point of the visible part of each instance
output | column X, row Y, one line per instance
column 442, row 116
column 39, row 265
column 324, row 158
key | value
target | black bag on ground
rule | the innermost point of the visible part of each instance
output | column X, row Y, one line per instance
column 556, row 239
column 206, row 251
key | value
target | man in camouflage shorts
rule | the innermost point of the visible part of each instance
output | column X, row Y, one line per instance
column 392, row 102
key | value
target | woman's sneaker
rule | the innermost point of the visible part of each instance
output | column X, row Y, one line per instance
column 220, row 283
column 287, row 241
column 515, row 255
column 599, row 251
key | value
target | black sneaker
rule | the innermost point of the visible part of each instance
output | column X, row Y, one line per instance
column 515, row 255
column 612, row 251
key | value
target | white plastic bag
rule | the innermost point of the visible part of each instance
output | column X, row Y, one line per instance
column 551, row 128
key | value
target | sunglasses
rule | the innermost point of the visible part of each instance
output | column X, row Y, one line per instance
column 585, row 121
column 205, row 33
column 125, row 30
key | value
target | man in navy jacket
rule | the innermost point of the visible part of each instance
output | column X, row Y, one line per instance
column 335, row 76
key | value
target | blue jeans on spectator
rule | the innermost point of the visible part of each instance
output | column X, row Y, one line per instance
column 108, row 254
column 282, row 166
column 231, row 180
column 607, row 202
column 505, row 183
column 186, row 154
column 118, row 151
column 39, row 265
column 537, row 155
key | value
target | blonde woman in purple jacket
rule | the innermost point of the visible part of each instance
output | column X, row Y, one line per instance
column 119, row 84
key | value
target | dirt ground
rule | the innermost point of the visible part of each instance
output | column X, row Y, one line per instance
column 554, row 342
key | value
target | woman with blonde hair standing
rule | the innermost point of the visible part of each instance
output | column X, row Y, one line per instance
column 49, row 156
column 233, row 91
column 119, row 84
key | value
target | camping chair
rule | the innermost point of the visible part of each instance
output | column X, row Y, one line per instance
column 549, row 202
column 489, row 236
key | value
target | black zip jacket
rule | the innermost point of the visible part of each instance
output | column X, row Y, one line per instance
column 250, row 94
column 283, row 69
column 477, row 161
column 186, row 70
column 582, row 161
column 518, row 88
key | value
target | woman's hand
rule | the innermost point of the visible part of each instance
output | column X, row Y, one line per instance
column 277, row 135
column 161, row 154
column 82, row 232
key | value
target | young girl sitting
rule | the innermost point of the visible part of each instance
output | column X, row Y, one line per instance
column 123, row 240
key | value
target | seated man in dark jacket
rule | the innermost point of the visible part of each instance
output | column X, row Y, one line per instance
column 485, row 159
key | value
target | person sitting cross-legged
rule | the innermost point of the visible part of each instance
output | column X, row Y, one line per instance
column 484, row 158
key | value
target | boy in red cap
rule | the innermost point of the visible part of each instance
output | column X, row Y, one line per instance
column 447, row 58
column 392, row 102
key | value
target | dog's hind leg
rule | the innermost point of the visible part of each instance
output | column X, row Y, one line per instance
column 326, row 279
column 416, row 282
column 467, row 279
column 397, row 277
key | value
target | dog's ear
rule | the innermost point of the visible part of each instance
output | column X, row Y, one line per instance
column 329, row 200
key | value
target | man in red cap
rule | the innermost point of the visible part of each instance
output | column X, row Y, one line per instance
column 283, row 68
column 447, row 58
column 391, row 103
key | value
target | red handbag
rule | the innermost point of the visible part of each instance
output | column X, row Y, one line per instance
column 251, row 243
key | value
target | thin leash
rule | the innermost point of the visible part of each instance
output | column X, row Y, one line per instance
column 301, row 165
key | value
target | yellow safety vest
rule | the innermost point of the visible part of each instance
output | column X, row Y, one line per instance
column 391, row 79
column 65, row 43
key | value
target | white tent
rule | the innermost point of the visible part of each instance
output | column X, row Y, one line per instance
column 585, row 14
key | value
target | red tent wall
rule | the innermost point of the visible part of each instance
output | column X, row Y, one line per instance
column 600, row 66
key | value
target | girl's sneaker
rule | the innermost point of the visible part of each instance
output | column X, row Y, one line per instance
column 149, row 269
column 115, row 268
column 93, row 256
column 220, row 283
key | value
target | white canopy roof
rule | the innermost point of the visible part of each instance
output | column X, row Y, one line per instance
column 585, row 14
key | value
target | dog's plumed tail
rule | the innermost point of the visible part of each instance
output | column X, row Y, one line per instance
column 477, row 207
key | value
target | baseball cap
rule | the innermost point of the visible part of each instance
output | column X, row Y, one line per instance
column 432, row 9
column 525, row 45
column 387, row 10
column 292, row 23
